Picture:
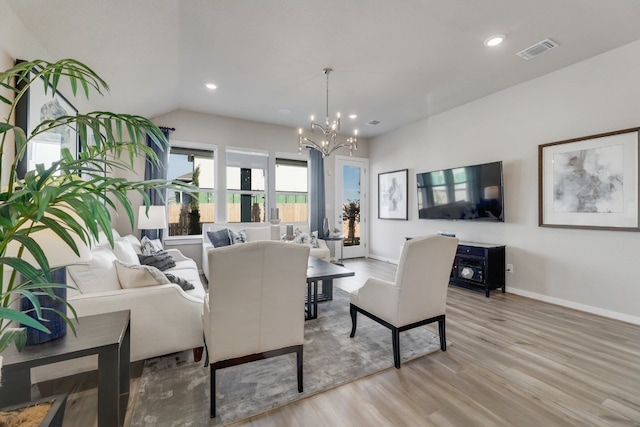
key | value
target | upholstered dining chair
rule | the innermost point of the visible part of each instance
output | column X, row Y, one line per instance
column 255, row 305
column 418, row 295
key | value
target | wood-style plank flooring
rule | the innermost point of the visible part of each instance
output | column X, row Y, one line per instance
column 512, row 361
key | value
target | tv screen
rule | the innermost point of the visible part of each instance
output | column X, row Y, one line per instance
column 466, row 193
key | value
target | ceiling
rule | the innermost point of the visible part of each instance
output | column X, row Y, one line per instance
column 393, row 61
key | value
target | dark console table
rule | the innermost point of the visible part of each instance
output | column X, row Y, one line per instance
column 479, row 266
column 106, row 335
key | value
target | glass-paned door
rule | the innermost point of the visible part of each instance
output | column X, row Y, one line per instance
column 352, row 203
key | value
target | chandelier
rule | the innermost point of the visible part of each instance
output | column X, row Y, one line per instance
column 330, row 141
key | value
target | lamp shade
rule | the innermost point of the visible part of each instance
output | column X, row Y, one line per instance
column 155, row 219
column 58, row 253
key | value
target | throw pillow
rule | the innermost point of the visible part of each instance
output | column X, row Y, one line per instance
column 314, row 240
column 149, row 246
column 98, row 274
column 125, row 252
column 219, row 238
column 134, row 241
column 302, row 238
column 139, row 276
column 237, row 236
column 161, row 260
column 184, row 284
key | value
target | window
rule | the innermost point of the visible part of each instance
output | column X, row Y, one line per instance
column 187, row 212
column 460, row 184
column 246, row 186
column 291, row 190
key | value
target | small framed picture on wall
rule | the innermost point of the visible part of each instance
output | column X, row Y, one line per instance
column 393, row 202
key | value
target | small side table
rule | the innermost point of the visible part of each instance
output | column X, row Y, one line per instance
column 336, row 239
column 107, row 335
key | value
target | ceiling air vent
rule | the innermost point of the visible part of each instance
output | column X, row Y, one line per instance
column 537, row 49
column 374, row 122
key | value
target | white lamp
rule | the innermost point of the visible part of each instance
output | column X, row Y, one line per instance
column 155, row 219
column 275, row 216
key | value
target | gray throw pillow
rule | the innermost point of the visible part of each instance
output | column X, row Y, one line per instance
column 184, row 284
column 219, row 238
column 161, row 260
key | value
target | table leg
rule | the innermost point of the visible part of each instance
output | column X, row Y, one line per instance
column 327, row 291
column 312, row 300
column 125, row 360
column 16, row 386
column 108, row 387
column 315, row 299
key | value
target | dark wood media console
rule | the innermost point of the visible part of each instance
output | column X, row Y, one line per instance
column 479, row 266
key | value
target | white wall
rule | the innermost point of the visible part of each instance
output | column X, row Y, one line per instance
column 586, row 269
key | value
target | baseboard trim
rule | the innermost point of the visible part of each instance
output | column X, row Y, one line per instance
column 627, row 318
column 635, row 320
column 379, row 258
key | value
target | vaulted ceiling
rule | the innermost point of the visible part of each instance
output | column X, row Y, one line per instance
column 394, row 61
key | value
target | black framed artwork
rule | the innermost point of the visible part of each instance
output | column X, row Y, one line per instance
column 590, row 182
column 393, row 202
column 36, row 106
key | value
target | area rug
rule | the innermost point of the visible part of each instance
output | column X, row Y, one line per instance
column 174, row 390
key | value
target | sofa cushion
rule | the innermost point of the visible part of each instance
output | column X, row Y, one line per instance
column 124, row 252
column 161, row 260
column 139, row 276
column 98, row 274
column 219, row 238
column 149, row 246
column 258, row 233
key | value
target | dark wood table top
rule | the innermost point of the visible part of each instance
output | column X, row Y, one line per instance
column 94, row 333
column 319, row 269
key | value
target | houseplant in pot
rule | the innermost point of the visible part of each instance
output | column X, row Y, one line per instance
column 73, row 197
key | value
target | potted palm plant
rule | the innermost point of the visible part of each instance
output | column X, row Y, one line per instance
column 72, row 197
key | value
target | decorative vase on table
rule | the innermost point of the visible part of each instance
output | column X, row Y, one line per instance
column 325, row 228
column 54, row 321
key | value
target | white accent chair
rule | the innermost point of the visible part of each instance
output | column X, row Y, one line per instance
column 255, row 305
column 418, row 295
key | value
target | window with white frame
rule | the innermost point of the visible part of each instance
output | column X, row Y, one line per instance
column 187, row 212
column 246, row 186
column 291, row 190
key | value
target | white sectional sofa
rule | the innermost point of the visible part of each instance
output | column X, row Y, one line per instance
column 260, row 231
column 164, row 317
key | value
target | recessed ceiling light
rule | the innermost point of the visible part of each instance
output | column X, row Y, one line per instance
column 495, row 40
column 211, row 86
column 353, row 116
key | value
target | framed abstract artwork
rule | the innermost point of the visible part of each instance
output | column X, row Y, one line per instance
column 393, row 202
column 36, row 106
column 590, row 182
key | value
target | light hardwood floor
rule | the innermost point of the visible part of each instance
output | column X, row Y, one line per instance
column 512, row 361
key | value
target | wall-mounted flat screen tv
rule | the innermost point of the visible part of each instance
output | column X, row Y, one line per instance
column 465, row 193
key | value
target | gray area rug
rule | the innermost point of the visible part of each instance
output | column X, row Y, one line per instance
column 174, row 390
